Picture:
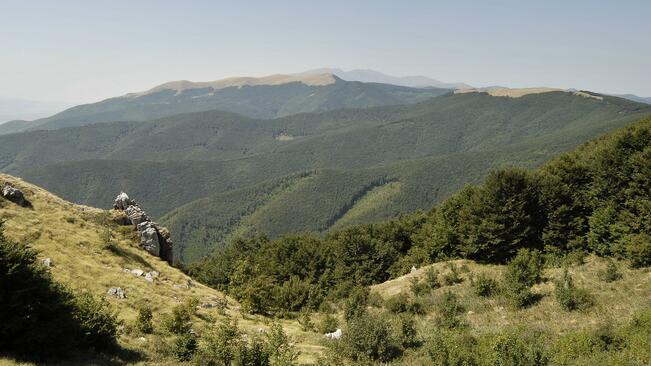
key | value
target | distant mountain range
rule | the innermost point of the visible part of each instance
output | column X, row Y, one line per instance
column 21, row 109
column 213, row 175
column 635, row 98
column 268, row 97
column 372, row 76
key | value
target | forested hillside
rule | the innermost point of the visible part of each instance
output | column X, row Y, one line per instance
column 570, row 233
column 358, row 165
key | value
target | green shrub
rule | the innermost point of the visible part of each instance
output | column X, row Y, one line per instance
column 573, row 346
column 513, row 349
column 638, row 250
column 305, row 320
column 484, row 286
column 180, row 321
column 144, row 320
column 418, row 287
column 398, row 303
column 281, row 351
column 525, row 268
column 401, row 303
column 405, row 331
column 221, row 346
column 99, row 323
column 184, row 347
column 611, row 273
column 448, row 311
column 432, row 278
column 355, row 305
column 450, row 348
column 328, row 324
column 570, row 297
column 369, row 337
column 452, row 276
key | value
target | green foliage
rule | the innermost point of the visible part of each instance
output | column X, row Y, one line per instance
column 611, row 273
column 35, row 310
column 184, row 347
column 570, row 297
column 281, row 351
column 405, row 331
column 448, row 310
column 305, row 320
column 484, row 286
column 144, row 322
column 328, row 324
column 521, row 273
column 452, row 277
column 180, row 320
column 525, row 268
column 402, row 303
column 513, row 349
column 369, row 337
column 98, row 322
column 225, row 345
column 450, row 348
column 637, row 248
column 355, row 305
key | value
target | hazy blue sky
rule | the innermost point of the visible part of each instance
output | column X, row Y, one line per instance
column 82, row 51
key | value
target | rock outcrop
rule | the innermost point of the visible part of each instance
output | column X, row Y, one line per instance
column 154, row 238
column 14, row 195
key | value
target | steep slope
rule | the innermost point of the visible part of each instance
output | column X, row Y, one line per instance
column 268, row 97
column 76, row 240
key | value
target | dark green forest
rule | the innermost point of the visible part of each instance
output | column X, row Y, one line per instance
column 595, row 199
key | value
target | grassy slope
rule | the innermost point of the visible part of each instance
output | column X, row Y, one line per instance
column 615, row 303
column 72, row 236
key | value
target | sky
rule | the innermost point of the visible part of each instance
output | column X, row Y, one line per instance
column 85, row 51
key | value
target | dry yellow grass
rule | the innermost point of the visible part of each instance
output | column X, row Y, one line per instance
column 73, row 236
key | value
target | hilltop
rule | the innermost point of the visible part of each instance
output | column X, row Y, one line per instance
column 266, row 97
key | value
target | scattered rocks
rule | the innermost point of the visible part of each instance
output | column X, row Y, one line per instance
column 117, row 292
column 47, row 262
column 14, row 195
column 137, row 272
column 334, row 335
column 149, row 276
column 154, row 238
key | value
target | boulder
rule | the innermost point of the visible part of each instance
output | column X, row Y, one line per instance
column 14, row 195
column 154, row 238
column 117, row 292
column 149, row 241
column 122, row 201
column 136, row 215
column 137, row 272
column 47, row 262
column 334, row 335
